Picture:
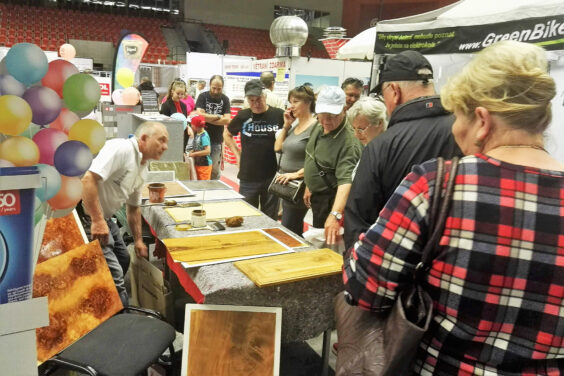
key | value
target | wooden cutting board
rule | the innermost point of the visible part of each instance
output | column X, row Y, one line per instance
column 173, row 189
column 215, row 211
column 216, row 248
column 292, row 267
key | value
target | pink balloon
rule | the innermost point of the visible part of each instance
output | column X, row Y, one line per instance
column 48, row 140
column 69, row 195
column 117, row 96
column 67, row 51
column 65, row 120
column 130, row 96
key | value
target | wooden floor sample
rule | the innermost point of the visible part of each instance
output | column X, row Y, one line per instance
column 292, row 267
column 284, row 237
column 226, row 246
column 60, row 236
column 173, row 189
column 224, row 342
column 215, row 211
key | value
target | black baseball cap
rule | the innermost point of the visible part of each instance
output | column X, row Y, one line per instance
column 254, row 88
column 404, row 67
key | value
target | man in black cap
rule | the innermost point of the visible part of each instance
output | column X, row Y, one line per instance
column 419, row 129
column 256, row 159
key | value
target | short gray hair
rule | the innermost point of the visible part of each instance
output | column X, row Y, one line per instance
column 148, row 128
column 372, row 109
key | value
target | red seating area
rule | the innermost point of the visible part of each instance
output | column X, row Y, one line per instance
column 51, row 27
column 255, row 42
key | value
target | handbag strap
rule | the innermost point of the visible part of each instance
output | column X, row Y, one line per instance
column 322, row 172
column 440, row 206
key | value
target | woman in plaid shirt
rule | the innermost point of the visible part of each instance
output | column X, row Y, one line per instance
column 498, row 288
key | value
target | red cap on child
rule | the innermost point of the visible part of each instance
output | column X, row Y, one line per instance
column 198, row 121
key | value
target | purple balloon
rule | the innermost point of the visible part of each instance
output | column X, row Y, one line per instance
column 10, row 86
column 45, row 104
column 72, row 158
column 48, row 140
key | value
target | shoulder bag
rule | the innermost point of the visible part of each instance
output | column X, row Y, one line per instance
column 373, row 346
column 292, row 192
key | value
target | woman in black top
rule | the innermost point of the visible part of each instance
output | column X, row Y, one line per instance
column 173, row 104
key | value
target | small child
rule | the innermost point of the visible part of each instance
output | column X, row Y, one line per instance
column 200, row 149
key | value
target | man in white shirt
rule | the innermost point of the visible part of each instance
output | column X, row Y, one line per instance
column 272, row 100
column 116, row 177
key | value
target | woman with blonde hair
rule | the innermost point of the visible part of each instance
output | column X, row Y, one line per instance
column 498, row 280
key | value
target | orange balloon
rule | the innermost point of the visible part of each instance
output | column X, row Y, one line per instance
column 19, row 150
column 16, row 115
column 69, row 195
column 89, row 132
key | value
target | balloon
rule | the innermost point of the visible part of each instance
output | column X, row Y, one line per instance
column 45, row 104
column 48, row 140
column 117, row 96
column 130, row 96
column 3, row 69
column 69, row 194
column 50, row 182
column 89, row 132
column 5, row 163
column 124, row 77
column 67, row 51
column 72, row 158
column 81, row 92
column 20, row 151
column 31, row 130
column 181, row 117
column 65, row 120
column 10, row 86
column 58, row 72
column 26, row 62
column 16, row 115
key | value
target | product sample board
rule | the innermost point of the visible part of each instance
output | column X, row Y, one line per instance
column 218, row 248
column 173, row 189
column 297, row 266
column 215, row 211
column 243, row 340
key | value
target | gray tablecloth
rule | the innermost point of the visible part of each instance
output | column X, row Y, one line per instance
column 307, row 308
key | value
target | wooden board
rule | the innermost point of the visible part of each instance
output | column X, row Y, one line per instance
column 209, row 249
column 298, row 266
column 173, row 189
column 281, row 235
column 61, row 235
column 81, row 295
column 243, row 340
column 215, row 211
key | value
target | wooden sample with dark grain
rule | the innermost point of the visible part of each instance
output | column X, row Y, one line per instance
column 173, row 189
column 228, row 340
column 292, row 267
column 284, row 237
column 215, row 211
column 60, row 236
column 205, row 249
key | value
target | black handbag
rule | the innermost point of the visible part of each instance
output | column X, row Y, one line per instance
column 293, row 191
column 388, row 346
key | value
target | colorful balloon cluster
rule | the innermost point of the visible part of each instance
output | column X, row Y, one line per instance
column 130, row 95
column 41, row 105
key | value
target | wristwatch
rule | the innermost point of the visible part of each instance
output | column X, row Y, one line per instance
column 337, row 215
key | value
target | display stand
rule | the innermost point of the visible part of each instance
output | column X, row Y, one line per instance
column 18, row 321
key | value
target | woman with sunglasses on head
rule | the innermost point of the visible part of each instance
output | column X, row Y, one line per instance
column 291, row 144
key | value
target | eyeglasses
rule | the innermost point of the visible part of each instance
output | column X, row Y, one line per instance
column 362, row 131
column 384, row 89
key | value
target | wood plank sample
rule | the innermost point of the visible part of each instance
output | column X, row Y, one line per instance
column 297, row 266
column 224, row 247
column 284, row 237
column 223, row 340
column 173, row 189
column 60, row 236
column 215, row 211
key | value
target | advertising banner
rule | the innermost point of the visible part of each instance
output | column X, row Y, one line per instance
column 129, row 52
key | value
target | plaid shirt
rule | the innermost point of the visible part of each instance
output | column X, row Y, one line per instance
column 498, row 290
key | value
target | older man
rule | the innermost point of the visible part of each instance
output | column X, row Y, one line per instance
column 419, row 129
column 256, row 159
column 115, row 178
column 331, row 155
column 273, row 100
column 353, row 90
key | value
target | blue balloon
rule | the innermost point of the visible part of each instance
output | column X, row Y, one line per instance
column 72, row 158
column 27, row 63
column 50, row 182
column 10, row 86
column 180, row 116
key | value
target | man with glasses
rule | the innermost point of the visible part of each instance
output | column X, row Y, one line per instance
column 419, row 129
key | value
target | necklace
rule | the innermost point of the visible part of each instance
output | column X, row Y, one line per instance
column 536, row 147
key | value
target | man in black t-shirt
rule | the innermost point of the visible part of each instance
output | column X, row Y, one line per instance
column 256, row 159
column 214, row 106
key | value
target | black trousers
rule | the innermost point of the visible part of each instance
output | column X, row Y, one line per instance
column 321, row 204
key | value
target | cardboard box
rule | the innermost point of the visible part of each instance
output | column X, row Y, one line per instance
column 151, row 290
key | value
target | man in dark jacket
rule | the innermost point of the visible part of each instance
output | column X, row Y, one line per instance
column 419, row 129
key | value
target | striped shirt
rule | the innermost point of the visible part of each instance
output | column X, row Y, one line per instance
column 498, row 288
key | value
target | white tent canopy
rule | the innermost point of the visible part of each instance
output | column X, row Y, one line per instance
column 360, row 47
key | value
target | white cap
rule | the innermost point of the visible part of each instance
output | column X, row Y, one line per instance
column 331, row 99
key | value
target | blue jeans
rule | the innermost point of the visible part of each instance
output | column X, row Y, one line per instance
column 216, row 157
column 256, row 192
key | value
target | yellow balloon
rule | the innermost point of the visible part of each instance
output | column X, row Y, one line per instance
column 19, row 150
column 124, row 77
column 15, row 115
column 89, row 132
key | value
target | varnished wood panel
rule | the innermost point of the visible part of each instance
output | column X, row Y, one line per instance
column 227, row 340
column 215, row 211
column 297, row 266
column 60, row 236
column 173, row 189
column 284, row 237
